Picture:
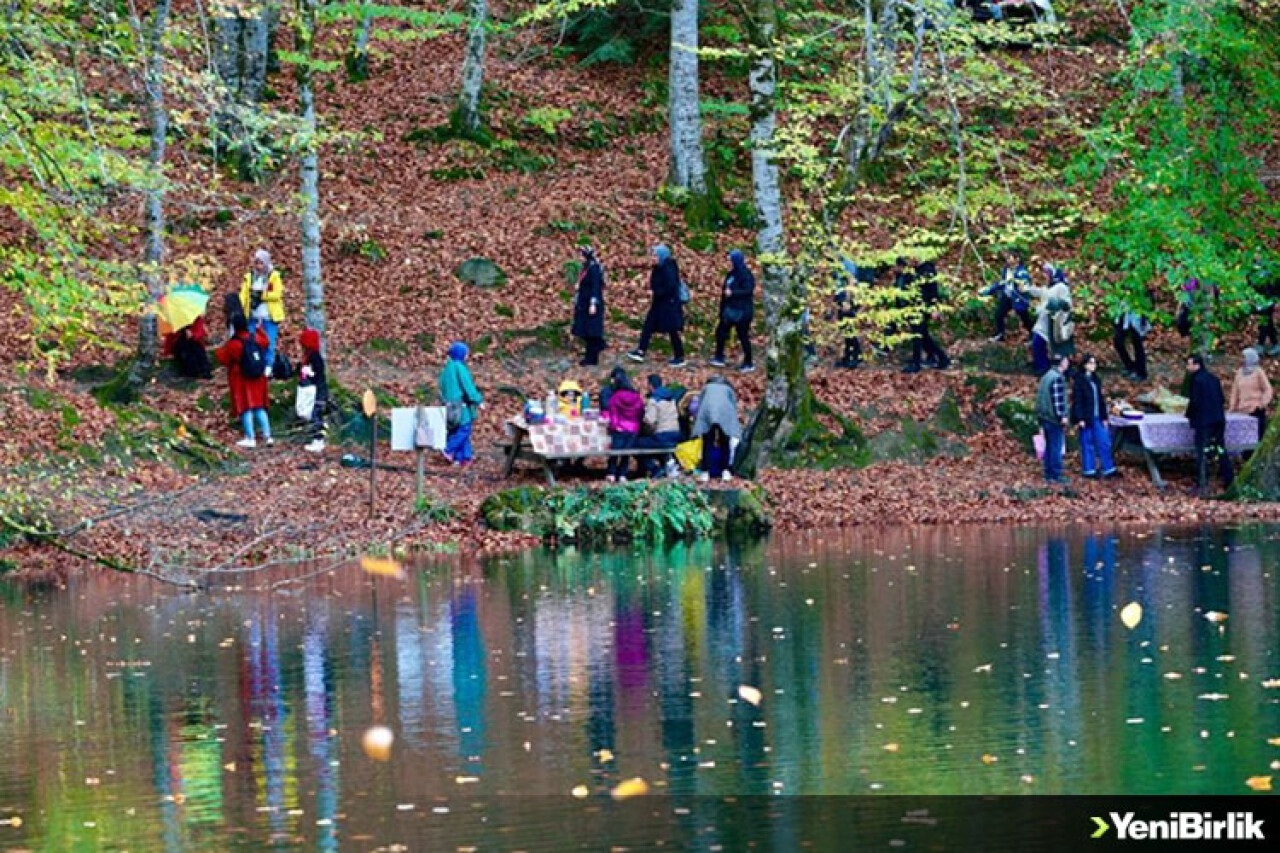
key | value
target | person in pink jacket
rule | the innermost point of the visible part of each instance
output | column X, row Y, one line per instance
column 624, row 414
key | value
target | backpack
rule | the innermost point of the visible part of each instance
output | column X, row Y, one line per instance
column 1062, row 327
column 253, row 361
column 283, row 368
column 453, row 410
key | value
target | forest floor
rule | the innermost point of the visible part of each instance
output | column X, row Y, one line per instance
column 158, row 486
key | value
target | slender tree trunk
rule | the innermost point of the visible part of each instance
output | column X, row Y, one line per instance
column 312, row 281
column 786, row 395
column 473, row 68
column 242, row 56
column 688, row 167
column 153, row 258
column 358, row 58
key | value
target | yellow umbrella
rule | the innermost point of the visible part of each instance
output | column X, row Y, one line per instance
column 182, row 306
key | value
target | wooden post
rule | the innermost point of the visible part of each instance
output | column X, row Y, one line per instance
column 370, row 405
column 417, row 482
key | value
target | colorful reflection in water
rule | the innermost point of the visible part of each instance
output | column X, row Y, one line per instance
column 910, row 661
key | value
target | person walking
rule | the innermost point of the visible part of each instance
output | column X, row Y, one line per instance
column 624, row 415
column 737, row 308
column 922, row 341
column 244, row 358
column 1206, row 412
column 262, row 301
column 1053, row 334
column 1089, row 414
column 1010, row 293
column 1131, row 329
column 1052, row 412
column 719, row 427
column 588, row 307
column 462, row 401
column 666, row 308
column 312, row 372
column 851, row 276
column 1251, row 391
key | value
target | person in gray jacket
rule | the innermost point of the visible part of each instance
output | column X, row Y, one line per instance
column 719, row 428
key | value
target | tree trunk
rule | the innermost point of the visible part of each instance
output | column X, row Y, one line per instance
column 242, row 55
column 1260, row 478
column 688, row 168
column 786, row 393
column 358, row 58
column 473, row 68
column 312, row 281
column 153, row 258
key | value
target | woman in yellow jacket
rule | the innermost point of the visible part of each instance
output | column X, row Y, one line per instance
column 262, row 298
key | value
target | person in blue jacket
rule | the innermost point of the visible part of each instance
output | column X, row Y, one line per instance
column 1011, row 294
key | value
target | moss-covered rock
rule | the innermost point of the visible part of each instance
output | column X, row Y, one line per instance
column 1019, row 418
column 482, row 272
column 740, row 512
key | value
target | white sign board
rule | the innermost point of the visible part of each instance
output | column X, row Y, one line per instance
column 404, row 426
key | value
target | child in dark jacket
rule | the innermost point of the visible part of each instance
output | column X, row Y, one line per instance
column 311, row 372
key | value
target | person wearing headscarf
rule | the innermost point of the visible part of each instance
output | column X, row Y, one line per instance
column 588, row 307
column 249, row 395
column 262, row 301
column 1251, row 391
column 311, row 371
column 457, row 386
column 624, row 415
column 719, row 427
column 1010, row 293
column 666, row 308
column 922, row 340
column 1053, row 332
column 737, row 307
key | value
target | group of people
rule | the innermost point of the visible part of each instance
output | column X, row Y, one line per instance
column 1086, row 410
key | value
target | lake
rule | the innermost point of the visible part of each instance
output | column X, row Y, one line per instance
column 913, row 661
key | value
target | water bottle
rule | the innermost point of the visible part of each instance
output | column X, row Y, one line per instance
column 551, row 407
column 586, row 403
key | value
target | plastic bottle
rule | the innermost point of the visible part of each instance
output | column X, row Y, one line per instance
column 550, row 407
column 586, row 402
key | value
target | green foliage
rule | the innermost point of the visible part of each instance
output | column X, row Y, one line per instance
column 433, row 511
column 652, row 513
column 548, row 119
column 602, row 32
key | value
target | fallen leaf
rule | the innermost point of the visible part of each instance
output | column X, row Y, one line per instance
column 750, row 695
column 1259, row 783
column 383, row 567
column 1216, row 616
column 890, row 747
column 988, row 758
column 377, row 742
column 580, row 791
column 604, row 755
column 1131, row 615
column 635, row 787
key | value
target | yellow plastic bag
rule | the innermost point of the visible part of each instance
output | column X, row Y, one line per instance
column 689, row 453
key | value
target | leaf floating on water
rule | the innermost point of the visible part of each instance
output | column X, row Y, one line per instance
column 1274, row 741
column 635, row 787
column 383, row 567
column 1213, row 697
column 1027, row 779
column 1173, row 676
column 1216, row 616
column 986, row 667
column 1271, row 683
column 749, row 694
column 377, row 743
column 230, row 767
column 466, row 780
column 1259, row 783
column 890, row 747
column 604, row 755
column 989, row 759
column 15, row 821
column 580, row 792
column 1131, row 615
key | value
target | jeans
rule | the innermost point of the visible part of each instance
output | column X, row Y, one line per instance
column 923, row 340
column 595, row 346
column 618, row 465
column 1212, row 440
column 1055, row 445
column 317, row 419
column 743, row 329
column 646, row 334
column 1095, row 448
column 1003, row 306
column 458, row 445
column 272, row 328
column 716, row 452
column 247, row 418
column 657, row 441
column 1122, row 340
column 1040, row 355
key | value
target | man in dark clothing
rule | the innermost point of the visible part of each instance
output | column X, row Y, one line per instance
column 926, row 279
column 1011, row 294
column 1052, row 412
column 737, row 307
column 1206, row 412
column 588, row 307
column 1266, row 282
column 846, row 309
column 666, row 311
column 1131, row 327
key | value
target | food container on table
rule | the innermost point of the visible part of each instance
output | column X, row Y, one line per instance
column 1132, row 415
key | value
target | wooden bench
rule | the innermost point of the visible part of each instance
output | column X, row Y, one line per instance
column 514, row 450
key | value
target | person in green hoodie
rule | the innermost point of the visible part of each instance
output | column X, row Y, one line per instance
column 459, row 394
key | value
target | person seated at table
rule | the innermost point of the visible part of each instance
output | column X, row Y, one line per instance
column 718, row 426
column 1206, row 413
column 1250, row 391
column 661, row 426
column 1089, row 414
column 187, row 348
column 624, row 413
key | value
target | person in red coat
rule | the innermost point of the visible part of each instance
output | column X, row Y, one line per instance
column 249, row 396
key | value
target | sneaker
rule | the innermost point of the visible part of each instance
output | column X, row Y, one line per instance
column 267, row 373
column 635, row 355
column 270, row 441
column 247, row 443
column 622, row 479
column 996, row 339
column 673, row 473
column 941, row 365
column 1113, row 474
column 726, row 476
column 716, row 362
column 609, row 478
column 911, row 368
column 1090, row 475
column 677, row 362
column 747, row 368
column 316, row 446
column 703, row 477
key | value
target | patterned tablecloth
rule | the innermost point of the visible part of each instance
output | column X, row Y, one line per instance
column 563, row 438
column 1172, row 433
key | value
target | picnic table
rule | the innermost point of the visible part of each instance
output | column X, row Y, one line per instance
column 1172, row 434
column 557, row 441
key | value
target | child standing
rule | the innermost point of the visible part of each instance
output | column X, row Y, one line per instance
column 312, row 373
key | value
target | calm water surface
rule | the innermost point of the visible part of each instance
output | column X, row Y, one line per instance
column 902, row 662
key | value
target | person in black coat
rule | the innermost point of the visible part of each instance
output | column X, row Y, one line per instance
column 666, row 311
column 1090, row 415
column 737, row 307
column 1206, row 412
column 926, row 279
column 588, row 307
